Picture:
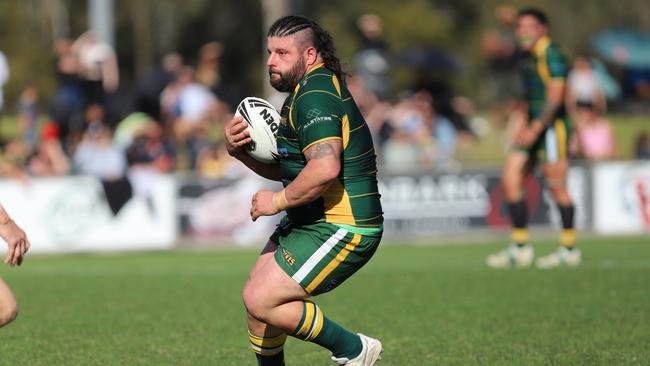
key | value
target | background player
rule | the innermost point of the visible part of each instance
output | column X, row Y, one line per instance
column 17, row 247
column 543, row 136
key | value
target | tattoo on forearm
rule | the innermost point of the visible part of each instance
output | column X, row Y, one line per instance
column 322, row 150
column 548, row 113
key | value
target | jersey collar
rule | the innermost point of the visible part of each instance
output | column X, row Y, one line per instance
column 541, row 45
column 317, row 66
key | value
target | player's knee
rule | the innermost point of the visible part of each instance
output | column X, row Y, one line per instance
column 8, row 312
column 254, row 302
column 560, row 195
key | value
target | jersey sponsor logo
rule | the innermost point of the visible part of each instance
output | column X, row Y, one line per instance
column 288, row 257
column 313, row 113
column 317, row 120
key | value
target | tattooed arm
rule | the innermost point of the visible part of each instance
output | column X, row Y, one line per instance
column 554, row 101
column 323, row 167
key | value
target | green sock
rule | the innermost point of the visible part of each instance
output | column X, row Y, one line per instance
column 268, row 350
column 275, row 360
column 315, row 327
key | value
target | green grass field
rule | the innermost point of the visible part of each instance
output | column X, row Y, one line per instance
column 430, row 305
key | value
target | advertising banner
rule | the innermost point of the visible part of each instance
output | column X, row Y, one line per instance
column 429, row 203
column 72, row 214
column 219, row 210
column 621, row 197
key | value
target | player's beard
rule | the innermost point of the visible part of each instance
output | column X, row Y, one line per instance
column 288, row 81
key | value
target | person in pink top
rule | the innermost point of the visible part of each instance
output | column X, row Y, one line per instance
column 595, row 134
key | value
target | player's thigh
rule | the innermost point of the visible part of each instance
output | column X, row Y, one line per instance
column 321, row 256
column 265, row 256
column 270, row 286
column 7, row 299
column 557, row 170
column 554, row 142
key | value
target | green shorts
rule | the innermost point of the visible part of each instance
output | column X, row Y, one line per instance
column 553, row 144
column 321, row 256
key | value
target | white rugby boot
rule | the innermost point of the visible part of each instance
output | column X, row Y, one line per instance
column 370, row 353
column 513, row 256
column 560, row 257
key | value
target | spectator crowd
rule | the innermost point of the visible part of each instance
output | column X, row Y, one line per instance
column 177, row 110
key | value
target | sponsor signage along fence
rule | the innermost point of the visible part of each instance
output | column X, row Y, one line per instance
column 621, row 197
column 430, row 203
column 74, row 214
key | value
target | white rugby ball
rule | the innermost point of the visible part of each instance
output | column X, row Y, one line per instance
column 263, row 124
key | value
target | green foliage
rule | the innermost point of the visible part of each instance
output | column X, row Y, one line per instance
column 455, row 26
column 430, row 305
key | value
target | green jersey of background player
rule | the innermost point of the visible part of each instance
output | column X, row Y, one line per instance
column 543, row 136
column 333, row 221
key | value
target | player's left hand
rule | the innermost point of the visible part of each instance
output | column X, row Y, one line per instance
column 263, row 205
column 525, row 137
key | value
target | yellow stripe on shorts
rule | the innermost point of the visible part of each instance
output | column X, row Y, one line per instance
column 340, row 257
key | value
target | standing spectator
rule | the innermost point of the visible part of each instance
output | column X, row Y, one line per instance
column 149, row 88
column 584, row 87
column 372, row 63
column 499, row 48
column 66, row 108
column 4, row 76
column 209, row 73
column 595, row 133
column 97, row 67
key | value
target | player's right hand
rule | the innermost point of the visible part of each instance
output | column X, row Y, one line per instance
column 17, row 243
column 236, row 137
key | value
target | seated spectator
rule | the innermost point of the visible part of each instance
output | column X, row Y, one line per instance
column 190, row 108
column 642, row 146
column 96, row 155
column 28, row 114
column 411, row 144
column 49, row 158
column 13, row 157
column 214, row 161
column 150, row 149
column 374, row 111
column 149, row 155
column 595, row 134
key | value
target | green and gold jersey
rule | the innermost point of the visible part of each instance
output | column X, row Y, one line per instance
column 321, row 108
column 546, row 64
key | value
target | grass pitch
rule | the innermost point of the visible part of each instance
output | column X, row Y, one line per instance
column 430, row 305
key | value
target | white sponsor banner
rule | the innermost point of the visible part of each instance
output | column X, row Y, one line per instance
column 72, row 214
column 431, row 204
column 218, row 210
column 621, row 197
